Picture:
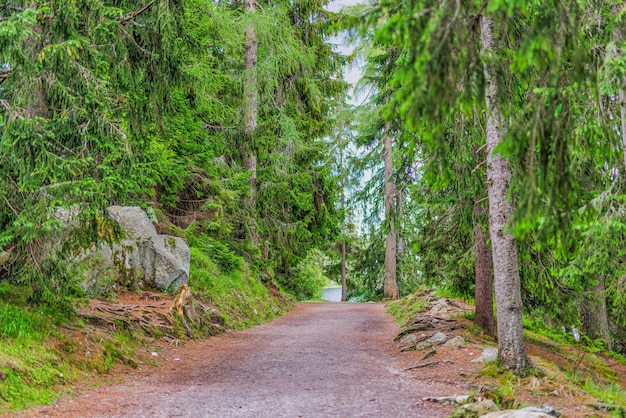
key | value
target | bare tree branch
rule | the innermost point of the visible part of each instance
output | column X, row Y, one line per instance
column 137, row 13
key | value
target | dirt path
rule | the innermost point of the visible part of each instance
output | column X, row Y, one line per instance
column 321, row 359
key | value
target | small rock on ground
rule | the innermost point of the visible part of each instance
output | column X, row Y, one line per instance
column 489, row 354
column 520, row 413
column 457, row 341
column 475, row 410
column 438, row 338
column 409, row 339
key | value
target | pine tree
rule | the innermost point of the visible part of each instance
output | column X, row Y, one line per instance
column 511, row 345
column 250, row 114
column 390, row 280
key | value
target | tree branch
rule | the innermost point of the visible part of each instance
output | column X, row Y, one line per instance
column 137, row 13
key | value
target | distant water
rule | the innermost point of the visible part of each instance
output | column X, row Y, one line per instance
column 331, row 294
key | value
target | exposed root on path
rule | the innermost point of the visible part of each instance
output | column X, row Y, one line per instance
column 147, row 311
column 154, row 313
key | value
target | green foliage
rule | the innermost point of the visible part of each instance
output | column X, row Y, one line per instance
column 51, row 282
column 611, row 394
column 241, row 299
column 559, row 70
column 104, row 105
column 218, row 252
column 537, row 322
column 29, row 368
column 365, row 278
column 117, row 350
column 19, row 394
column 309, row 277
column 406, row 309
column 18, row 323
column 71, row 136
column 37, row 364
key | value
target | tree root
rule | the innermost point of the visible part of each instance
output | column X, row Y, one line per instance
column 155, row 313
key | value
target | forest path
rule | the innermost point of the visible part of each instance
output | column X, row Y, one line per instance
column 319, row 360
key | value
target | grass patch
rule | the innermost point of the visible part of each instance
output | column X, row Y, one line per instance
column 444, row 292
column 610, row 394
column 29, row 373
column 29, row 370
column 40, row 353
column 16, row 322
column 537, row 325
column 406, row 309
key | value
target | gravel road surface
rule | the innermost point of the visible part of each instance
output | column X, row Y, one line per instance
column 319, row 360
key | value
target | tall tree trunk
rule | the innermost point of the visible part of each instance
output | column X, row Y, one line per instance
column 484, row 274
column 389, row 279
column 250, row 115
column 622, row 110
column 595, row 322
column 344, row 287
column 511, row 344
column 399, row 237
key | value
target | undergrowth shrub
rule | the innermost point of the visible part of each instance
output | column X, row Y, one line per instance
column 309, row 278
column 52, row 282
column 364, row 295
column 242, row 300
column 223, row 256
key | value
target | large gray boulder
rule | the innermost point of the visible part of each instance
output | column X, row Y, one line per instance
column 143, row 259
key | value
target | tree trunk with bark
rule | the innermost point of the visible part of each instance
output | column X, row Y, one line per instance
column 511, row 344
column 484, row 274
column 595, row 322
column 399, row 237
column 250, row 114
column 344, row 287
column 622, row 110
column 389, row 276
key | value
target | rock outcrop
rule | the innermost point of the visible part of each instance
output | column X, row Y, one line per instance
column 143, row 259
